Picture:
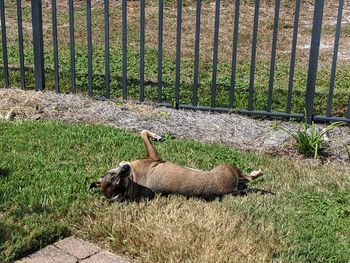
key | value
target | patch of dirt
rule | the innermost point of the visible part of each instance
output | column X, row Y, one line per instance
column 236, row 131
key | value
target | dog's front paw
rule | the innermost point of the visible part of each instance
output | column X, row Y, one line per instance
column 152, row 135
column 158, row 138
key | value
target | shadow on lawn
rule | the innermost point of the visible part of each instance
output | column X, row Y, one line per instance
column 4, row 172
column 259, row 191
column 35, row 240
column 6, row 231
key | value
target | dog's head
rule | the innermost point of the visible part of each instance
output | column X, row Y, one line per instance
column 115, row 183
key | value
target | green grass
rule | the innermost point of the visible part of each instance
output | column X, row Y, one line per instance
column 279, row 99
column 46, row 168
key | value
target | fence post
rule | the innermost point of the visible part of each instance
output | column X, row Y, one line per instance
column 37, row 23
column 313, row 59
column 4, row 44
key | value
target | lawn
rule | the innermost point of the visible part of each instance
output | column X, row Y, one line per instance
column 262, row 72
column 46, row 169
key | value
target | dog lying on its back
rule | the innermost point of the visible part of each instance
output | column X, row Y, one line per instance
column 142, row 178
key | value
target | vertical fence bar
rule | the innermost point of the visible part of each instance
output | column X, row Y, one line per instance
column 125, row 37
column 196, row 53
column 273, row 55
column 293, row 55
column 55, row 45
column 89, row 43
column 107, row 70
column 37, row 23
column 215, row 53
column 234, row 55
column 160, row 50
column 72, row 44
column 4, row 44
column 142, row 50
column 178, row 53
column 334, row 61
column 313, row 60
column 20, row 43
column 252, row 63
column 348, row 112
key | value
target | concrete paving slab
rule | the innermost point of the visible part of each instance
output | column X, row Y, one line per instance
column 77, row 247
column 51, row 254
column 105, row 257
column 72, row 250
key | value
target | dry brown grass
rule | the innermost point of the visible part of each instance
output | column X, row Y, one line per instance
column 266, row 17
column 179, row 230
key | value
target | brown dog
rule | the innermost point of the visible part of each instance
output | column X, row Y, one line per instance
column 142, row 178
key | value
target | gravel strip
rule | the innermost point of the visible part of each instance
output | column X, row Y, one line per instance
column 236, row 131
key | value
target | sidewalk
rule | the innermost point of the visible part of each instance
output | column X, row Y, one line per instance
column 72, row 250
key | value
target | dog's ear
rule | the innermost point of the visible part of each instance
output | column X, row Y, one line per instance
column 124, row 176
column 124, row 180
column 96, row 184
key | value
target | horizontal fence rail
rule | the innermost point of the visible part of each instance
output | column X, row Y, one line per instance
column 201, row 87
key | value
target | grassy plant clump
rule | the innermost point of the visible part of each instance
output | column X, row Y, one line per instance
column 311, row 142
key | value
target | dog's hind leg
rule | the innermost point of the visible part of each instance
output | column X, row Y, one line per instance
column 253, row 175
column 245, row 177
column 151, row 151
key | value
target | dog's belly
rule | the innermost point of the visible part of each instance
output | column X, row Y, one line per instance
column 170, row 178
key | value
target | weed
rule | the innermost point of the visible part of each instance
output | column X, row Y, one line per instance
column 275, row 125
column 347, row 149
column 310, row 142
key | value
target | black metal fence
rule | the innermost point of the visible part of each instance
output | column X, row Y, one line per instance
column 313, row 60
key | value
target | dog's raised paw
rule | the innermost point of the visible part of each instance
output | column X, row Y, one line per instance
column 158, row 138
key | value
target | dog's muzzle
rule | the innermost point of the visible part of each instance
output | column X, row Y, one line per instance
column 125, row 168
